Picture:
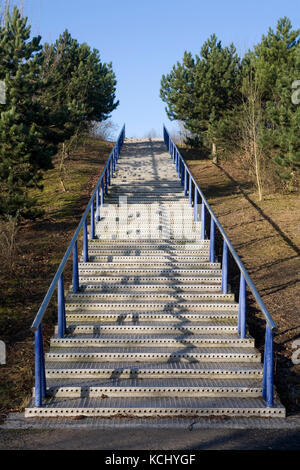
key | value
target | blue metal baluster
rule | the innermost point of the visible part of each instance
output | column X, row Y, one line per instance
column 108, row 173
column 105, row 183
column 85, row 243
column 242, row 308
column 196, row 204
column 102, row 192
column 112, row 166
column 40, row 382
column 92, row 234
column 43, row 370
column 75, row 269
column 98, row 203
column 212, row 241
column 185, row 181
column 203, row 221
column 225, row 268
column 268, row 377
column 61, row 307
column 190, row 191
column 182, row 173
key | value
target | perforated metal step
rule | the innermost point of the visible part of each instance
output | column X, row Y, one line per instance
column 155, row 354
column 146, row 407
column 154, row 388
column 124, row 369
column 167, row 340
column 139, row 317
column 157, row 328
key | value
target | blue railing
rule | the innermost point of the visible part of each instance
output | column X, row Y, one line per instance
column 98, row 195
column 192, row 190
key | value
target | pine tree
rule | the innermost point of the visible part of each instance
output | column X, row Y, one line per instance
column 78, row 87
column 276, row 61
column 23, row 152
column 201, row 91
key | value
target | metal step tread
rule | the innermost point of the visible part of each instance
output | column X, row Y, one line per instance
column 157, row 271
column 182, row 369
column 159, row 265
column 116, row 382
column 156, row 296
column 82, row 304
column 147, row 406
column 164, row 338
column 126, row 289
column 127, row 340
column 200, row 327
column 154, row 257
column 139, row 281
column 150, row 244
column 135, row 317
column 159, row 387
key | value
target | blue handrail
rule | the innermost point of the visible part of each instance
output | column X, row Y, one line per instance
column 58, row 280
column 184, row 173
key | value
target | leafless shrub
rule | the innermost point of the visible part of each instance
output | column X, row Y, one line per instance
column 105, row 130
column 8, row 242
column 180, row 135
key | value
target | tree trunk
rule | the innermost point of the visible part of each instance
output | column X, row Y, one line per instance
column 214, row 153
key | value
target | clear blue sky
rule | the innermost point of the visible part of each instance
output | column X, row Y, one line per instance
column 143, row 39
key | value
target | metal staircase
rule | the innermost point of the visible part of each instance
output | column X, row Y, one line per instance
column 146, row 329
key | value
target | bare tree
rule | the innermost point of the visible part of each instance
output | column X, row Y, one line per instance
column 105, row 130
column 251, row 125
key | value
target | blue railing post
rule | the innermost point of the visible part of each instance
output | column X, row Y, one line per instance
column 40, row 378
column 212, row 241
column 242, row 308
column 196, row 204
column 102, row 192
column 191, row 191
column 75, row 268
column 108, row 172
column 182, row 173
column 98, row 203
column 92, row 234
column 106, row 183
column 85, row 243
column 225, row 268
column 114, row 159
column 61, row 307
column 203, row 221
column 185, row 182
column 268, row 377
column 112, row 166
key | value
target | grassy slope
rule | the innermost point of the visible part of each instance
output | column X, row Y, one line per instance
column 267, row 238
column 41, row 246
